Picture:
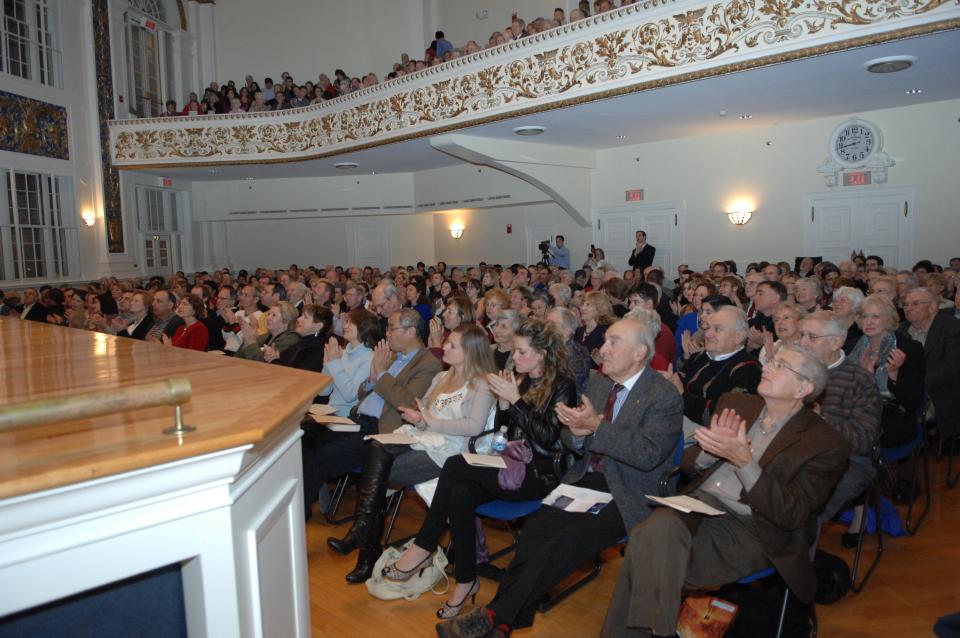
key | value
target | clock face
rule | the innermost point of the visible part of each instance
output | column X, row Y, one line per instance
column 855, row 143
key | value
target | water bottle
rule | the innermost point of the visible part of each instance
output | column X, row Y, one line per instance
column 499, row 443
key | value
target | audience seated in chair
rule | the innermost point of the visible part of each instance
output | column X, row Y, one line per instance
column 770, row 463
column 626, row 430
column 401, row 370
column 454, row 408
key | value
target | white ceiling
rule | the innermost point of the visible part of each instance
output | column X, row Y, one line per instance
column 811, row 88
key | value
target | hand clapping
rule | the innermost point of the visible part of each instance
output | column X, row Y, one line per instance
column 381, row 360
column 581, row 420
column 249, row 331
column 726, row 438
column 270, row 353
column 332, row 350
column 673, row 378
column 504, row 385
column 894, row 362
column 690, row 345
column 436, row 333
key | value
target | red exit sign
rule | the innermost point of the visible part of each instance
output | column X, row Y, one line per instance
column 635, row 195
column 861, row 178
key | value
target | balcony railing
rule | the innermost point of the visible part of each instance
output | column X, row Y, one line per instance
column 646, row 45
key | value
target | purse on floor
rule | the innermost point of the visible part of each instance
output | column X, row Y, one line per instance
column 424, row 580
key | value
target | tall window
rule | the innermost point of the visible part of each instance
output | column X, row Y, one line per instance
column 29, row 46
column 150, row 52
column 38, row 239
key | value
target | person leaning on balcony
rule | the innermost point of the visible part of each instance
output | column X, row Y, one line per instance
column 259, row 103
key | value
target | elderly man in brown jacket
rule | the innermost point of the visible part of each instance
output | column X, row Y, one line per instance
column 769, row 463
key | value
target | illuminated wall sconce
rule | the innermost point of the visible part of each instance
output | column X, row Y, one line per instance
column 88, row 216
column 740, row 212
column 456, row 231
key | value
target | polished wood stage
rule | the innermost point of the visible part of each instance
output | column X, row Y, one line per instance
column 915, row 583
column 233, row 403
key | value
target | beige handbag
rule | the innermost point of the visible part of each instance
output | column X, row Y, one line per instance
column 424, row 580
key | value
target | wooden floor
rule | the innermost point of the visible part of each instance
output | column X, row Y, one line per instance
column 916, row 582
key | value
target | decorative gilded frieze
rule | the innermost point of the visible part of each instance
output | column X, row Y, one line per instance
column 33, row 127
column 656, row 43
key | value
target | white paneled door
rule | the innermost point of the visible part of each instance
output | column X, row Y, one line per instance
column 368, row 244
column 876, row 221
column 158, row 255
column 615, row 232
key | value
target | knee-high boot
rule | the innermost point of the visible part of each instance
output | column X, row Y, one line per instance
column 368, row 523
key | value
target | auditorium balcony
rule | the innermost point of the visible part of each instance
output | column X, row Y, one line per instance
column 641, row 63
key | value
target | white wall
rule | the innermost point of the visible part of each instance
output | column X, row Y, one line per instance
column 706, row 172
column 485, row 236
column 321, row 241
column 459, row 22
column 709, row 171
column 309, row 37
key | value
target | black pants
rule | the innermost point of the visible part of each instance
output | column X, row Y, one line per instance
column 461, row 489
column 327, row 455
column 553, row 544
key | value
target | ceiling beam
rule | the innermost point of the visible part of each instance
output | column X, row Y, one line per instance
column 561, row 172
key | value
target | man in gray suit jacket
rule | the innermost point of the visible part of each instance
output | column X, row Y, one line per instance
column 626, row 431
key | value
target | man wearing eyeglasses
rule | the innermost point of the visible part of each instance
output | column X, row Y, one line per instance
column 850, row 404
column 940, row 335
column 769, row 463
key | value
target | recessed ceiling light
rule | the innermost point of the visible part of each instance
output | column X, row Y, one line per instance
column 345, row 166
column 914, row 91
column 373, row 172
column 528, row 130
column 621, row 137
column 890, row 64
column 746, row 116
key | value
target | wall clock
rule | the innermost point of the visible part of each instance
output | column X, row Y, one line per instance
column 856, row 145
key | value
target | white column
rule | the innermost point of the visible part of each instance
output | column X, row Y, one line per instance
column 200, row 24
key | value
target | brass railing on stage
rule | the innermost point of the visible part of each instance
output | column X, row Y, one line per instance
column 175, row 392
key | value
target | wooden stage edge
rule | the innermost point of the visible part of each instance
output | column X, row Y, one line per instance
column 234, row 403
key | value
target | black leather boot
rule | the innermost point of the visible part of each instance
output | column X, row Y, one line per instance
column 370, row 499
column 370, row 550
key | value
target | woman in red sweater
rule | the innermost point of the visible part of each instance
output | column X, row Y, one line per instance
column 193, row 333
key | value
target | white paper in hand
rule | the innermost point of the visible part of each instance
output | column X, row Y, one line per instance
column 571, row 498
column 392, row 438
column 320, row 409
column 336, row 423
column 686, row 504
column 485, row 460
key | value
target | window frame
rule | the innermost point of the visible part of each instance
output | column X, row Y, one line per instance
column 37, row 37
column 50, row 225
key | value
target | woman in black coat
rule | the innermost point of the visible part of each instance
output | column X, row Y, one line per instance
column 315, row 326
column 897, row 364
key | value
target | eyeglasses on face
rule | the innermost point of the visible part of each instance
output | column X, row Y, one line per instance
column 813, row 337
column 779, row 364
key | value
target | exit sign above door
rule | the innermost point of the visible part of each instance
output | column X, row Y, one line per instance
column 635, row 195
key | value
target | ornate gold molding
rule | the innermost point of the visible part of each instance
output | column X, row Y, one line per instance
column 546, row 79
